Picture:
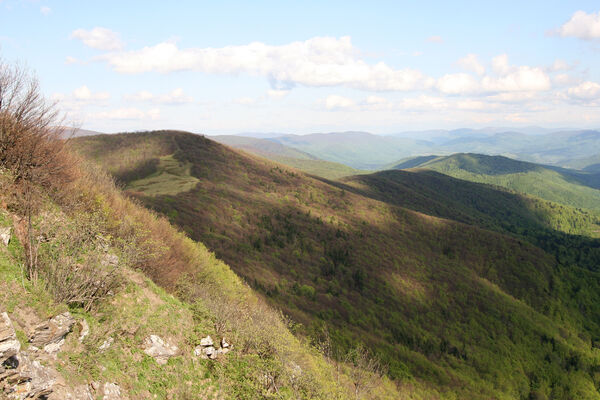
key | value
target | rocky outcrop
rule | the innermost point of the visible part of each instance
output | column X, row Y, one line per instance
column 206, row 349
column 23, row 376
column 158, row 349
column 5, row 235
column 9, row 344
column 50, row 335
column 111, row 391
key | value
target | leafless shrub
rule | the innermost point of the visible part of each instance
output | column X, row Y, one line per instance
column 365, row 370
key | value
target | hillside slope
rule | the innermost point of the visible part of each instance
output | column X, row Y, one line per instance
column 289, row 156
column 454, row 308
column 80, row 318
column 571, row 187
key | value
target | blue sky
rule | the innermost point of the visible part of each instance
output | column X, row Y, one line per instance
column 301, row 67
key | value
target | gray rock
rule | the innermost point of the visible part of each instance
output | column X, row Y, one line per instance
column 207, row 341
column 112, row 391
column 5, row 235
column 50, row 335
column 158, row 349
column 224, row 343
column 106, row 345
column 9, row 344
column 31, row 379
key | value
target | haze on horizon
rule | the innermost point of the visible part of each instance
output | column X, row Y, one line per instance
column 231, row 67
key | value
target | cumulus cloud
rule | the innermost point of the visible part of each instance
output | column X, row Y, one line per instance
column 335, row 102
column 277, row 93
column 471, row 63
column 560, row 65
column 585, row 91
column 83, row 93
column 435, row 39
column 98, row 38
column 582, row 25
column 177, row 96
column 127, row 114
column 316, row 62
column 458, row 84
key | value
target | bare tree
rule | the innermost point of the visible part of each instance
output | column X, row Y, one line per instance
column 365, row 370
column 31, row 145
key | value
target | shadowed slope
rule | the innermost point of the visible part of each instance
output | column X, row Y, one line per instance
column 570, row 187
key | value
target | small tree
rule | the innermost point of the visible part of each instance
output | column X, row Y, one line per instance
column 31, row 145
column 365, row 370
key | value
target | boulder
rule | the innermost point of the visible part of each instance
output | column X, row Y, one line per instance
column 224, row 343
column 207, row 341
column 50, row 335
column 5, row 235
column 111, row 391
column 158, row 349
column 30, row 379
column 9, row 344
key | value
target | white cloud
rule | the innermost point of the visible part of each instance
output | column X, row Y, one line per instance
column 435, row 39
column 563, row 79
column 316, row 62
column 471, row 63
column 83, row 93
column 99, row 38
column 585, row 91
column 335, row 102
column 474, row 105
column 245, row 101
column 524, row 78
column 500, row 64
column 560, row 65
column 45, row 10
column 458, row 84
column 177, row 96
column 582, row 25
column 376, row 100
column 127, row 114
column 423, row 103
column 71, row 60
column 515, row 78
column 277, row 94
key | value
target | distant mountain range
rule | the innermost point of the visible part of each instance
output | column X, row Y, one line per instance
column 362, row 150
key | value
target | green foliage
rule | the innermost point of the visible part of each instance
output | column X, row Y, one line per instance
column 569, row 187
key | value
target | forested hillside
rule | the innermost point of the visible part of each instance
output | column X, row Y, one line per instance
column 470, row 304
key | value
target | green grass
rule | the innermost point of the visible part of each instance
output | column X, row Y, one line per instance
column 171, row 177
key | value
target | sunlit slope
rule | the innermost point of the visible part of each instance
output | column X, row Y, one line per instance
column 570, row 187
column 289, row 156
column 459, row 309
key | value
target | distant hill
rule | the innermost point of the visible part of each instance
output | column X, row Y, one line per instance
column 359, row 150
column 570, row 187
column 70, row 132
column 463, row 290
column 289, row 156
column 363, row 150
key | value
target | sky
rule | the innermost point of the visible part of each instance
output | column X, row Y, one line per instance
column 224, row 67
